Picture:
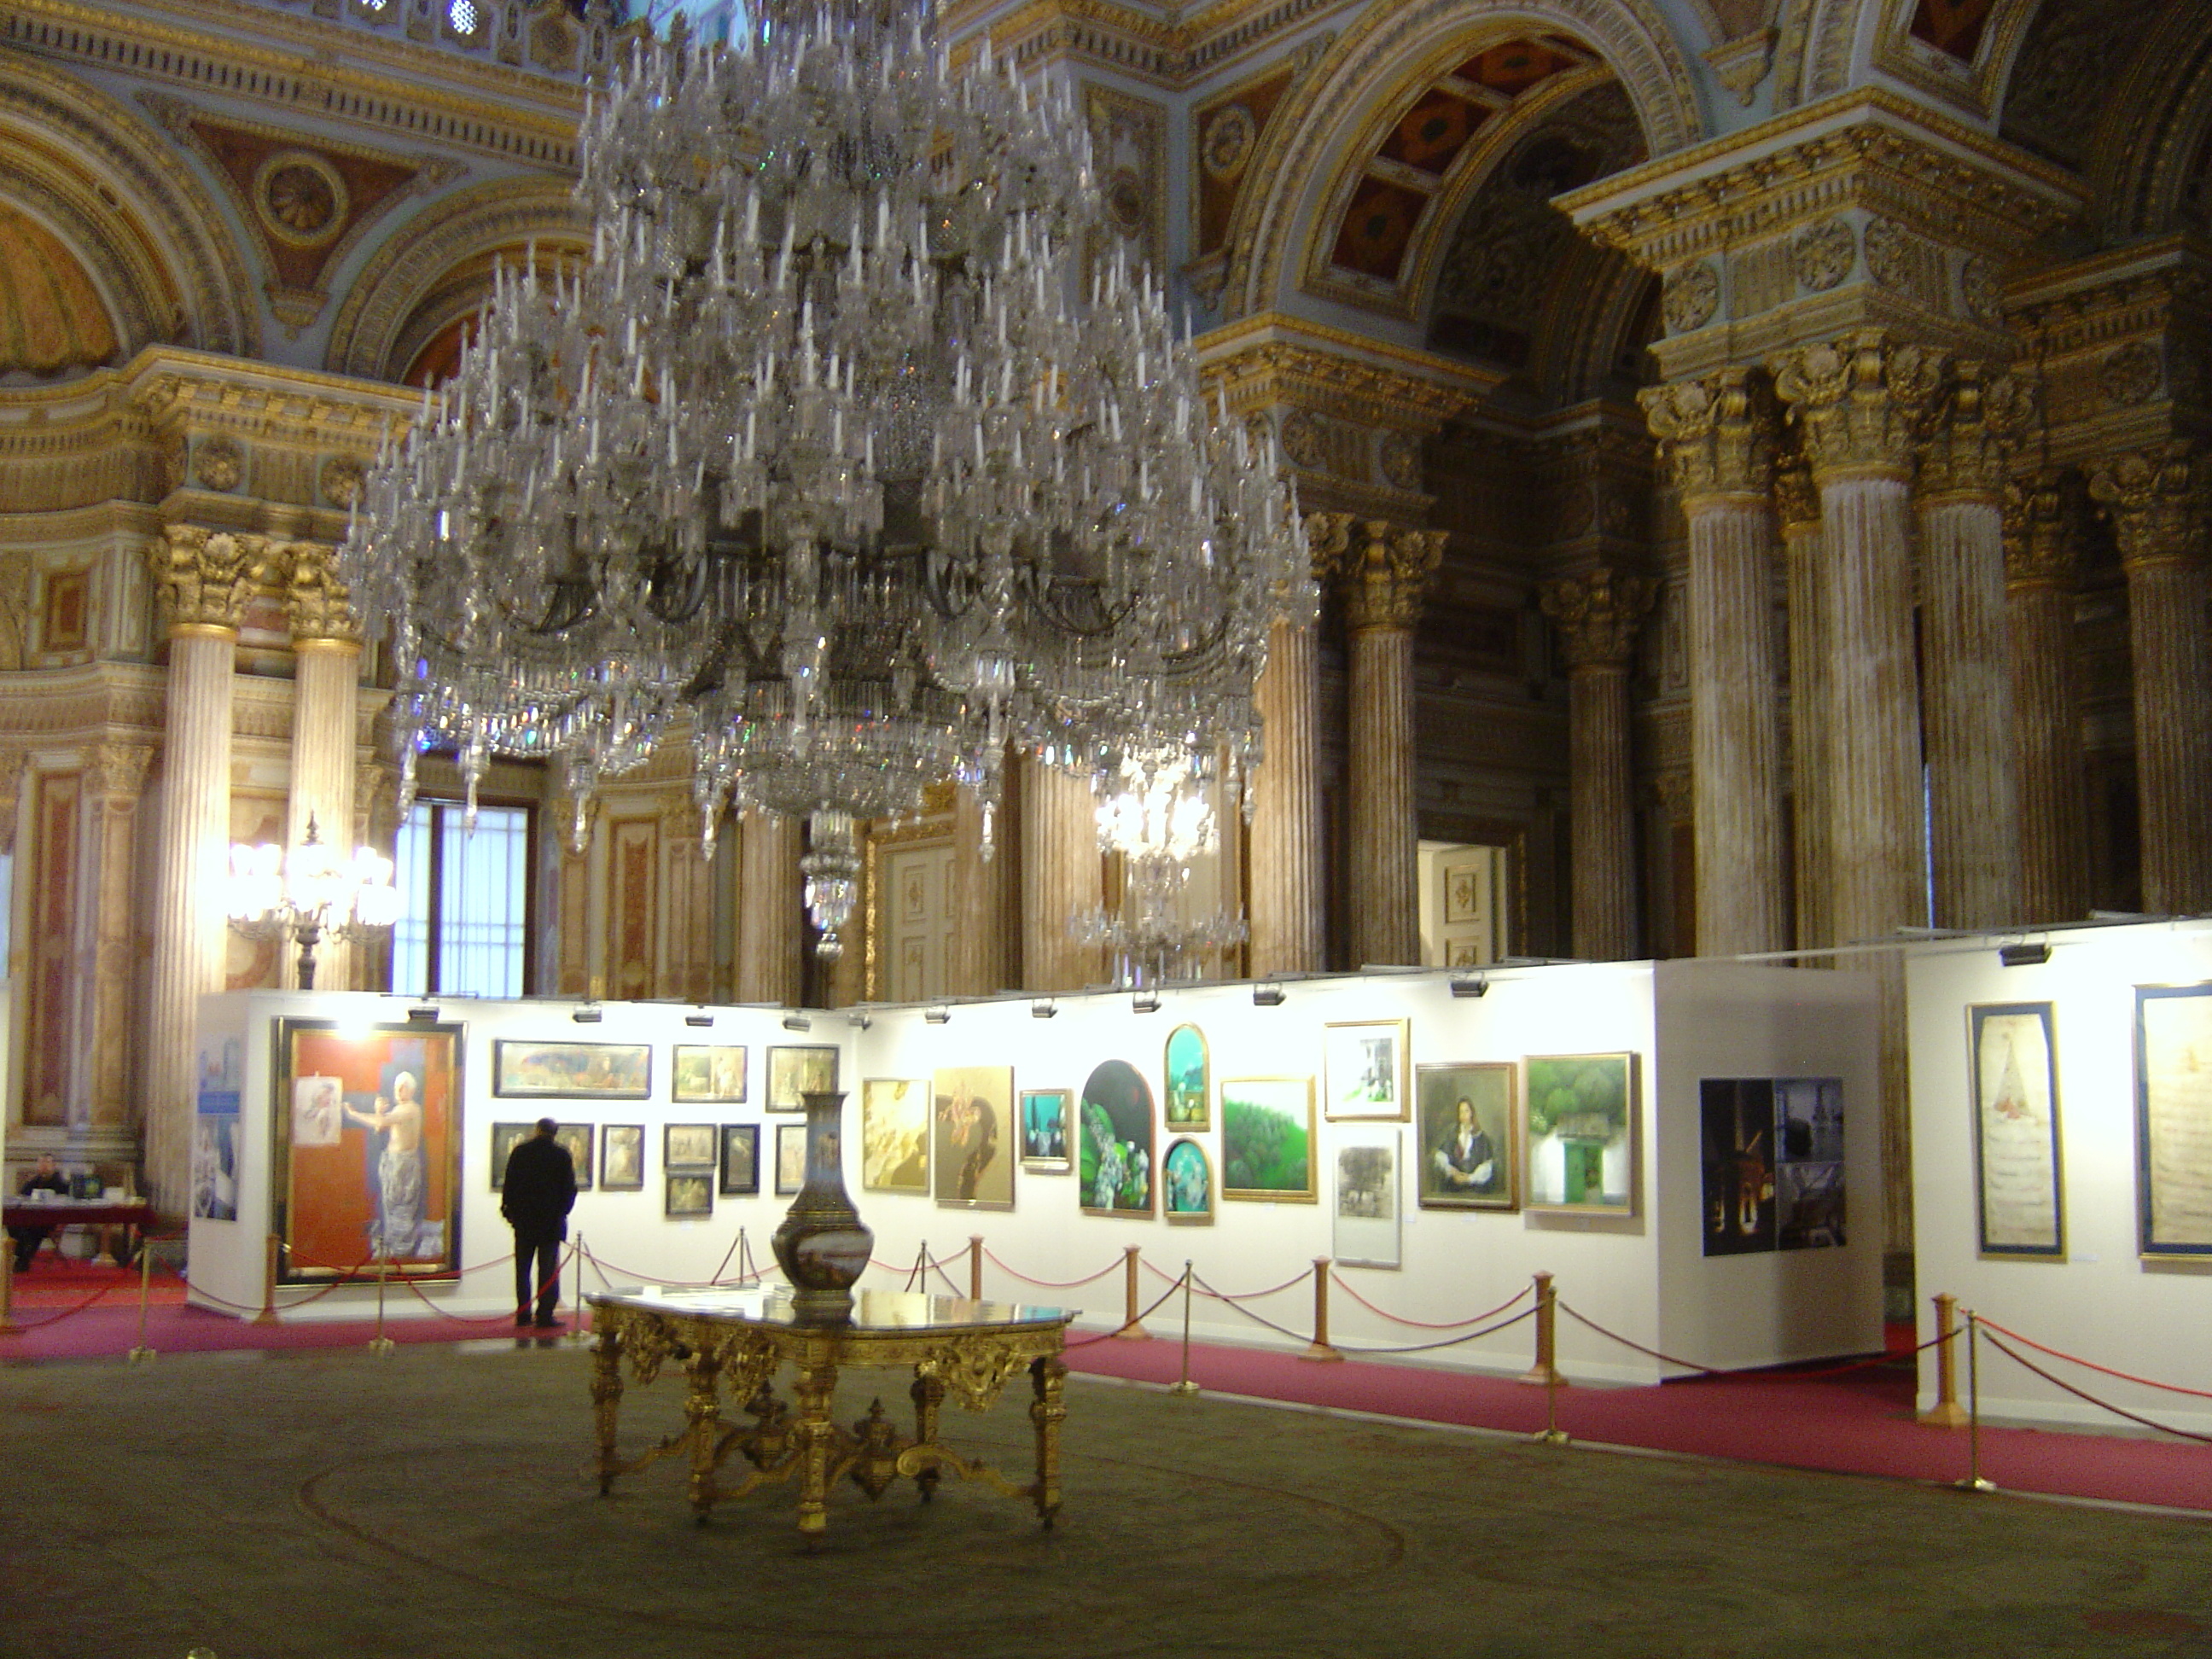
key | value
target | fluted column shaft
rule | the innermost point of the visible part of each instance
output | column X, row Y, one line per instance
column 981, row 882
column 769, row 936
column 2155, row 497
column 1287, row 830
column 1061, row 877
column 1798, row 506
column 2039, row 575
column 1597, row 617
column 327, row 677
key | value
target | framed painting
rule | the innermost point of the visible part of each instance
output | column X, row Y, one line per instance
column 388, row 1188
column 1470, row 1148
column 790, row 1158
column 2019, row 1203
column 577, row 1138
column 740, row 1159
column 1365, row 1223
column 710, row 1074
column 571, row 1070
column 1267, row 1140
column 1188, row 1102
column 1363, row 1070
column 688, row 1146
column 1580, row 1153
column 1044, row 1131
column 795, row 1072
column 214, row 1166
column 1808, row 1163
column 622, row 1157
column 894, row 1135
column 1736, row 1143
column 689, row 1193
column 505, row 1138
column 2174, row 1118
column 1114, row 1156
column 971, row 1123
column 1187, row 1184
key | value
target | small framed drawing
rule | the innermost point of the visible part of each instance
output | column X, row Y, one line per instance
column 1364, row 1069
column 577, row 1138
column 505, row 1138
column 689, row 1193
column 1188, row 1102
column 688, row 1146
column 740, row 1159
column 1366, row 1221
column 790, row 1158
column 795, row 1072
column 2017, row 1191
column 1581, row 1154
column 1187, row 1184
column 572, row 1070
column 2174, row 1118
column 622, row 1157
column 1469, row 1152
column 1267, row 1140
column 1044, row 1131
column 894, row 1135
column 711, row 1074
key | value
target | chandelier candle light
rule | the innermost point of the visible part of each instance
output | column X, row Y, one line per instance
column 308, row 893
column 852, row 456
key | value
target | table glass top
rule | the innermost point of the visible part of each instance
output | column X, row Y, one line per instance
column 872, row 1310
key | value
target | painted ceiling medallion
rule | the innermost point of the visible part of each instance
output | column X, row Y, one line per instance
column 299, row 197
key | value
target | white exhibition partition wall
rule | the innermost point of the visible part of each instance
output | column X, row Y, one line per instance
column 2099, row 1296
column 1640, row 1274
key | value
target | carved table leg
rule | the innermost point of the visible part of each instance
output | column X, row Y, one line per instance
column 606, row 1397
column 928, row 1394
column 702, row 1410
column 1048, row 1375
column 814, row 1433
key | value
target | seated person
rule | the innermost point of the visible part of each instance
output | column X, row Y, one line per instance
column 47, row 1177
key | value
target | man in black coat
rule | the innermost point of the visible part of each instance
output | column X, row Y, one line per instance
column 536, row 1195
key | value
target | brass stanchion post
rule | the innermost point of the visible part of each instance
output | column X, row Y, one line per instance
column 7, row 1325
column 1974, row 1482
column 381, row 1345
column 1945, row 1412
column 974, row 1266
column 268, row 1314
column 918, row 1278
column 1131, row 1331
column 1186, row 1386
column 1319, row 1348
column 1544, row 1370
column 142, row 1353
column 578, row 1308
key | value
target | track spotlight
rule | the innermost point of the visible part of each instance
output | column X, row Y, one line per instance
column 699, row 1019
column 2024, row 956
column 589, row 1014
column 797, row 1022
column 859, row 1022
column 1145, row 1002
column 1266, row 996
column 1043, row 1009
column 425, row 1014
column 937, row 1015
column 1469, row 985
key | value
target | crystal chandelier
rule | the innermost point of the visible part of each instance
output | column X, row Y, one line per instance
column 311, row 893
column 846, row 458
column 1158, row 812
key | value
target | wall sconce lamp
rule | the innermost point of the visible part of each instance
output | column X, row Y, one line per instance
column 2023, row 956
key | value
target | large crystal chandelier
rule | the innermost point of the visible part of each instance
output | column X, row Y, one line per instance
column 848, row 457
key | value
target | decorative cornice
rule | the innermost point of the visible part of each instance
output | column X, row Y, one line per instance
column 1276, row 359
column 1383, row 571
column 1717, row 432
column 1598, row 614
column 1858, row 403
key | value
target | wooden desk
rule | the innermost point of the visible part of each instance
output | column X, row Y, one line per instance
column 740, row 1339
column 103, row 1213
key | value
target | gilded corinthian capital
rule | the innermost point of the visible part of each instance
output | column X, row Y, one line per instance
column 204, row 577
column 1381, row 571
column 1860, row 401
column 1981, row 421
column 2042, row 529
column 1716, row 433
column 2156, row 498
column 321, row 603
column 1597, row 616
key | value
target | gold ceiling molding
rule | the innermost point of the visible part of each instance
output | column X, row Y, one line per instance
column 1168, row 51
column 1277, row 360
column 1972, row 87
column 331, row 71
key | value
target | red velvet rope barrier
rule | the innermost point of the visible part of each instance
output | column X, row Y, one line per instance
column 2102, row 1405
column 1205, row 1289
column 559, row 1268
column 1758, row 1373
column 1345, row 1284
column 1054, row 1283
column 2090, row 1364
column 1127, row 1324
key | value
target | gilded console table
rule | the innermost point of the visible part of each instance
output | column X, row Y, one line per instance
column 737, row 1340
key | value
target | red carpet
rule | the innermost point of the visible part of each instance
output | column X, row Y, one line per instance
column 1859, row 1422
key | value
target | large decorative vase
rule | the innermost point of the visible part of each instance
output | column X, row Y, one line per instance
column 823, row 1245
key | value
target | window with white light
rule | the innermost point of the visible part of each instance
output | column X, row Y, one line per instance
column 462, row 13
column 464, row 927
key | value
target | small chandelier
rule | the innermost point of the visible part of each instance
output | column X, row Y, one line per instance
column 1157, row 813
column 846, row 458
column 310, row 893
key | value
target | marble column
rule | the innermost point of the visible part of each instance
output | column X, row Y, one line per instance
column 1061, row 877
column 770, row 938
column 1381, row 576
column 1288, row 904
column 1858, row 403
column 203, row 579
column 1797, row 506
column 983, row 877
column 1597, row 616
column 1718, row 432
column 2156, row 499
column 1965, row 667
column 326, row 678
column 2042, row 521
